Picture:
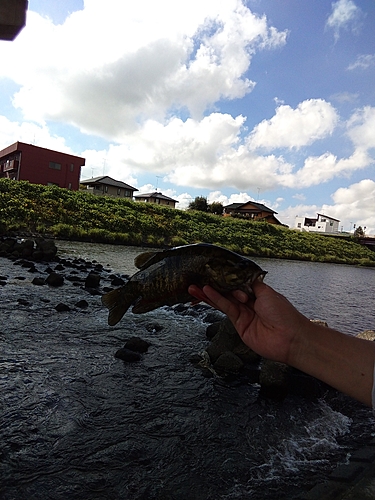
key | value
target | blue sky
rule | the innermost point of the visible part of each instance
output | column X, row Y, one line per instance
column 265, row 100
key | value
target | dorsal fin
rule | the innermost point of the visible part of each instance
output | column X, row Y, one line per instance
column 142, row 258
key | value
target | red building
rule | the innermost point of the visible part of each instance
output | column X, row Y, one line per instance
column 25, row 162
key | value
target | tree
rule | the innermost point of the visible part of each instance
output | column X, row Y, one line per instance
column 358, row 233
column 216, row 208
column 199, row 203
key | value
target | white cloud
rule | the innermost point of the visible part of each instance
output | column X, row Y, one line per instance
column 361, row 128
column 351, row 205
column 112, row 66
column 355, row 204
column 345, row 14
column 363, row 61
column 30, row 133
column 313, row 119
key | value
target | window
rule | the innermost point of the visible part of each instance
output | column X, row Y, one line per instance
column 52, row 183
column 119, row 191
column 323, row 220
column 70, row 185
column 54, row 165
column 71, row 167
column 299, row 224
column 126, row 192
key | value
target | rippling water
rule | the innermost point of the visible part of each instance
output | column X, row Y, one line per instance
column 78, row 423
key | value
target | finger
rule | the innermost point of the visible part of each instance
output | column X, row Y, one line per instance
column 228, row 305
column 240, row 296
column 199, row 295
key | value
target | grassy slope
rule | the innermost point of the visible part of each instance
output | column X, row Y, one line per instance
column 79, row 215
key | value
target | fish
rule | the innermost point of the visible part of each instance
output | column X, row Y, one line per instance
column 164, row 277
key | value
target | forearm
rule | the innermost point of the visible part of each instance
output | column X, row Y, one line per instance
column 342, row 361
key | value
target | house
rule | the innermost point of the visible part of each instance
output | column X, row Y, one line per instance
column 251, row 210
column 106, row 186
column 26, row 162
column 12, row 18
column 321, row 224
column 158, row 198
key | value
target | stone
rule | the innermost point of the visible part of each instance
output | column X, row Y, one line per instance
column 55, row 279
column 228, row 363
column 38, row 281
column 127, row 355
column 92, row 280
column 137, row 344
column 82, row 304
column 117, row 281
column 274, row 379
column 62, row 307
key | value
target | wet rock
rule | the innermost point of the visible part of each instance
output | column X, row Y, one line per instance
column 212, row 329
column 38, row 281
column 73, row 279
column 137, row 344
column 62, row 307
column 55, row 279
column 226, row 339
column 46, row 248
column 82, row 304
column 59, row 267
column 92, row 280
column 117, row 281
column 228, row 363
column 2, row 282
column 274, row 379
column 24, row 302
column 127, row 355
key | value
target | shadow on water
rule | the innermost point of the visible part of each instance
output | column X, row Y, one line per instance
column 77, row 423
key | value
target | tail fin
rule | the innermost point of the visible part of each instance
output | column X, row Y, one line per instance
column 118, row 302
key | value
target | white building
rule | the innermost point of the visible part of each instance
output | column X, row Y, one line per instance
column 322, row 224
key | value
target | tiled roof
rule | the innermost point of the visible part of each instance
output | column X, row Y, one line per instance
column 108, row 181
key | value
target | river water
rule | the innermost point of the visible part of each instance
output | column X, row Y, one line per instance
column 77, row 423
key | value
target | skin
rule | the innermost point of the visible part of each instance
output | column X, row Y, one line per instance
column 273, row 328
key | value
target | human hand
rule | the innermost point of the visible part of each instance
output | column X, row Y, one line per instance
column 268, row 324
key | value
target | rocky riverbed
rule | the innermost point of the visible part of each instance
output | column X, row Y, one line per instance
column 189, row 416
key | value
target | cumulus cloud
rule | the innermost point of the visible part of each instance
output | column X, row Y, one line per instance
column 355, row 204
column 351, row 205
column 361, row 128
column 112, row 66
column 345, row 15
column 313, row 119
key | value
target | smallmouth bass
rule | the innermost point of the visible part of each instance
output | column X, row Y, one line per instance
column 164, row 277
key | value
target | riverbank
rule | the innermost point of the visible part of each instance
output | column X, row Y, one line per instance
column 80, row 216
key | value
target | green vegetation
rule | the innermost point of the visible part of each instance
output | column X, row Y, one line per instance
column 82, row 216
